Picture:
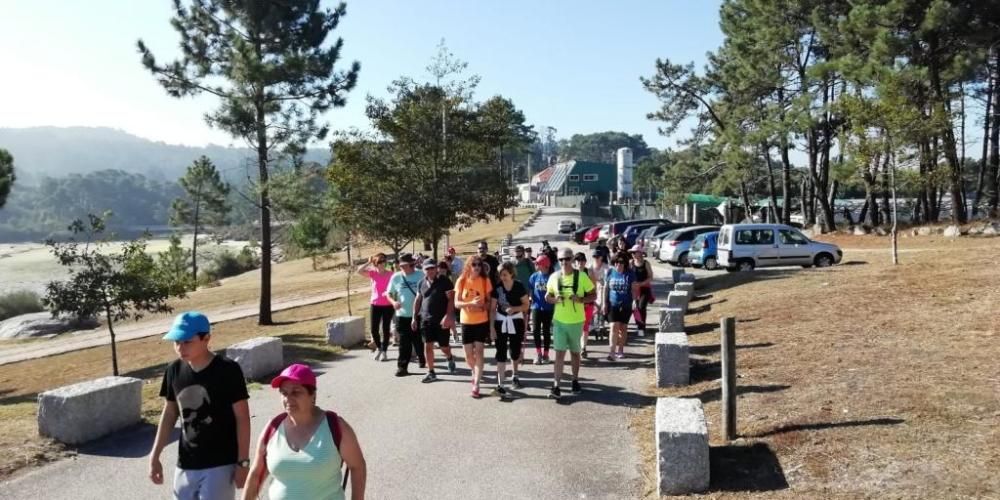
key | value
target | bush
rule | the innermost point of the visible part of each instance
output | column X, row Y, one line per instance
column 18, row 303
column 226, row 263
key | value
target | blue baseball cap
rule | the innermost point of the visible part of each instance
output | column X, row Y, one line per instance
column 187, row 325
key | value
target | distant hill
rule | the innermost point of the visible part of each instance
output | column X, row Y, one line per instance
column 56, row 151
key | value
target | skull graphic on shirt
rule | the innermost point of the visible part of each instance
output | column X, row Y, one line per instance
column 194, row 404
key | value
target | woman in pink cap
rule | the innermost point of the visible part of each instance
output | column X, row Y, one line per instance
column 304, row 448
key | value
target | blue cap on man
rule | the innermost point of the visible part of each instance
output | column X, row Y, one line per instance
column 187, row 325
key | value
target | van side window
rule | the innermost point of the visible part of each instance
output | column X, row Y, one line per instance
column 792, row 238
column 755, row 237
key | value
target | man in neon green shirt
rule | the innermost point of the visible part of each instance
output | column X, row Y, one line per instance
column 569, row 290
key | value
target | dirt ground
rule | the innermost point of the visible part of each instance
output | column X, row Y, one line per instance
column 865, row 380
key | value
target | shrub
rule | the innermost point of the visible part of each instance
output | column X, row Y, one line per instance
column 226, row 263
column 18, row 303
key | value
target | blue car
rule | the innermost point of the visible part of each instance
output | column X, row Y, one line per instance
column 705, row 251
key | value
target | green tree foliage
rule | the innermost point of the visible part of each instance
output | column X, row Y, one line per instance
column 172, row 267
column 19, row 302
column 270, row 65
column 603, row 147
column 204, row 203
column 411, row 181
column 38, row 211
column 7, row 176
column 849, row 84
column 118, row 285
column 310, row 235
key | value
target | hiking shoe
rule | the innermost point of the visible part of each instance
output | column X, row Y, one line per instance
column 619, row 355
column 451, row 365
column 555, row 393
column 538, row 359
column 516, row 383
column 430, row 377
column 402, row 372
column 385, row 356
column 612, row 357
column 500, row 392
column 376, row 355
column 576, row 387
column 545, row 359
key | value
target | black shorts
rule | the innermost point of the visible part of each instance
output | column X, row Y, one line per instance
column 621, row 313
column 475, row 333
column 431, row 331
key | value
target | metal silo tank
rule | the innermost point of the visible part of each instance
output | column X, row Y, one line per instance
column 624, row 173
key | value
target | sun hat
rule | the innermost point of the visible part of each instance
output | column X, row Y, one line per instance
column 637, row 249
column 543, row 260
column 430, row 263
column 298, row 373
column 187, row 325
column 451, row 250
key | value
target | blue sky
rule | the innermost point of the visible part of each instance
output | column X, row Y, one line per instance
column 572, row 65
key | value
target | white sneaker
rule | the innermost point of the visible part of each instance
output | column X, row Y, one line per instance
column 376, row 355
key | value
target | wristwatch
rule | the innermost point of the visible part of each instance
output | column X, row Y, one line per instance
column 245, row 463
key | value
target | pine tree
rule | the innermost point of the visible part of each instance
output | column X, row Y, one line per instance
column 270, row 65
column 204, row 204
column 7, row 176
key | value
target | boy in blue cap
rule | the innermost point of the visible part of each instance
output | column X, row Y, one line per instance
column 209, row 393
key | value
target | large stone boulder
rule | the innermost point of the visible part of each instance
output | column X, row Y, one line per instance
column 86, row 411
column 672, row 363
column 679, row 300
column 681, row 446
column 347, row 331
column 860, row 231
column 258, row 357
column 671, row 319
column 992, row 230
column 952, row 231
column 685, row 287
column 675, row 275
column 925, row 231
column 881, row 231
column 687, row 278
column 41, row 324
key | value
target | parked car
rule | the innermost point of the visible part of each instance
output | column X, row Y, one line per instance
column 580, row 234
column 631, row 235
column 567, row 226
column 704, row 251
column 675, row 245
column 744, row 247
column 593, row 234
column 617, row 228
column 652, row 243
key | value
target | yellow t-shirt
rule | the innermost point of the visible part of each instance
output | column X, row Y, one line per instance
column 568, row 312
column 467, row 291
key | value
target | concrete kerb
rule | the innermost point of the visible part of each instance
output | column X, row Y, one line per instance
column 672, row 362
column 682, row 449
column 79, row 413
column 258, row 357
column 679, row 300
column 685, row 287
column 671, row 319
column 346, row 331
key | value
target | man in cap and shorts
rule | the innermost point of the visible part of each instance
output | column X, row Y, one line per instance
column 435, row 313
column 569, row 290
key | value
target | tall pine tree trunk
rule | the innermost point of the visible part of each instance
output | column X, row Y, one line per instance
column 786, row 181
column 994, row 175
column 981, row 180
column 264, row 313
column 884, row 184
column 773, row 208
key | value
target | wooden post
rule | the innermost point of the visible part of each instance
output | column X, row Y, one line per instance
column 728, row 343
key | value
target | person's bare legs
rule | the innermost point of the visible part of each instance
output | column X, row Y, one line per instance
column 480, row 362
column 470, row 359
column 575, row 364
column 429, row 354
column 557, row 369
column 501, row 372
column 613, row 339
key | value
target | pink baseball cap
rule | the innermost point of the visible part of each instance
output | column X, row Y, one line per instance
column 298, row 373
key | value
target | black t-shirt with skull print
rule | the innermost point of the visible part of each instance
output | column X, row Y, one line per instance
column 205, row 400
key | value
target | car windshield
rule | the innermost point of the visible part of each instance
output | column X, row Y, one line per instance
column 699, row 243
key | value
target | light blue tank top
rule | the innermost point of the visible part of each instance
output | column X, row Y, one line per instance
column 312, row 473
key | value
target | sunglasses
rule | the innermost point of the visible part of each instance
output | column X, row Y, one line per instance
column 565, row 259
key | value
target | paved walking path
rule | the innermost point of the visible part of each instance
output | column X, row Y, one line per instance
column 428, row 441
column 150, row 328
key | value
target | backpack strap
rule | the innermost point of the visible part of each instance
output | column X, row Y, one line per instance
column 334, row 422
column 576, row 280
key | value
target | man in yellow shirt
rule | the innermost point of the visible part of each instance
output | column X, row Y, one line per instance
column 569, row 290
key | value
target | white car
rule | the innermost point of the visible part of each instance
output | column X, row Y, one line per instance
column 673, row 247
column 567, row 226
column 743, row 247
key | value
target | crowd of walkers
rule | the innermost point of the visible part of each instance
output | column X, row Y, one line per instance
column 311, row 452
column 557, row 297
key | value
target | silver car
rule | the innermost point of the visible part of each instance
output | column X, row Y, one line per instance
column 673, row 247
column 743, row 247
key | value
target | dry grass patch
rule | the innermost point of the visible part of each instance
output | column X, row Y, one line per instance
column 862, row 380
column 303, row 331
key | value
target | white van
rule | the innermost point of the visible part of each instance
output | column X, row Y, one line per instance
column 743, row 247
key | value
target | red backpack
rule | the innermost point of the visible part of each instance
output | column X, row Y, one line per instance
column 331, row 419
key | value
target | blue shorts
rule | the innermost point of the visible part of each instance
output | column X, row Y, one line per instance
column 197, row 484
